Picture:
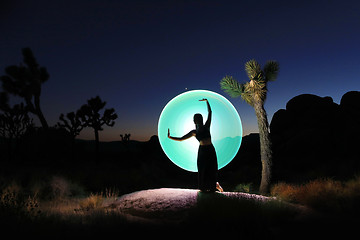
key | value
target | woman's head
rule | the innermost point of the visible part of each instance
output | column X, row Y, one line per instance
column 198, row 119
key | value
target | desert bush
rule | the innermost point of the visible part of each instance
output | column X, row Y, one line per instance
column 11, row 196
column 61, row 188
column 326, row 195
column 322, row 194
column 94, row 201
column 31, row 206
column 14, row 203
column 244, row 187
column 110, row 193
column 352, row 188
column 285, row 191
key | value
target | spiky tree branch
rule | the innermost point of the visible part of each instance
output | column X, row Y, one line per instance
column 25, row 81
column 15, row 121
column 271, row 70
column 72, row 124
column 231, row 86
column 253, row 69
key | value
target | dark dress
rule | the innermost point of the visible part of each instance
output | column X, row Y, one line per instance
column 206, row 162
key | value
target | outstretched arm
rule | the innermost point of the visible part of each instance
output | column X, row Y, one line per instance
column 186, row 136
column 208, row 121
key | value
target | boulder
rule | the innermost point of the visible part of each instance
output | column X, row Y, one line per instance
column 350, row 105
column 316, row 137
column 351, row 100
column 177, row 205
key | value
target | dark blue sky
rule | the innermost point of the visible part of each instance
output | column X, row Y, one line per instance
column 138, row 55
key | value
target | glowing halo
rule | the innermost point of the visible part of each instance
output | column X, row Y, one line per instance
column 177, row 115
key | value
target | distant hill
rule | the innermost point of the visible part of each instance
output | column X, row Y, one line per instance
column 112, row 146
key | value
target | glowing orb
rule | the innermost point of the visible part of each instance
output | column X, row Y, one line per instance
column 177, row 115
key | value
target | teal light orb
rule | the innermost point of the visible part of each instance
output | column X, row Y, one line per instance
column 177, row 115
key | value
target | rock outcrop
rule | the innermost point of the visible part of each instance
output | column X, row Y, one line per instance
column 183, row 206
column 314, row 135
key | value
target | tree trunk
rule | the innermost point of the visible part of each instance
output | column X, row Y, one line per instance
column 10, row 148
column 39, row 113
column 265, row 147
column 42, row 119
column 96, row 145
column 73, row 148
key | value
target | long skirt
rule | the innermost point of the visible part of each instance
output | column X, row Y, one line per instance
column 207, row 168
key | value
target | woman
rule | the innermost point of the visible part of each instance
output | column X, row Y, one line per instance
column 206, row 160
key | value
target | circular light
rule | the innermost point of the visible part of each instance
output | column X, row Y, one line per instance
column 177, row 115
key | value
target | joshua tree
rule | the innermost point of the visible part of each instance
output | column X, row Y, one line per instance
column 92, row 118
column 14, row 121
column 125, row 138
column 254, row 93
column 25, row 81
column 72, row 124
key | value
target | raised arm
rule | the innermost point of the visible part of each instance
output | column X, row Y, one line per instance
column 186, row 136
column 208, row 121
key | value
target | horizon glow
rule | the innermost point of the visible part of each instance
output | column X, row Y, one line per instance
column 177, row 115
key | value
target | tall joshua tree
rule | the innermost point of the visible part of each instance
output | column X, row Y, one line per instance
column 254, row 93
column 25, row 81
column 92, row 117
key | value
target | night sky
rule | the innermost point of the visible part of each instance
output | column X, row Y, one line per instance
column 138, row 55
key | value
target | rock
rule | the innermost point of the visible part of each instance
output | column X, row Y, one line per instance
column 315, row 137
column 190, row 213
column 172, row 205
column 351, row 100
column 350, row 105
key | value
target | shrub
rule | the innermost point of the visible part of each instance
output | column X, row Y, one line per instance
column 352, row 188
column 285, row 191
column 10, row 196
column 322, row 194
column 14, row 203
column 94, row 201
column 61, row 188
column 244, row 187
column 326, row 195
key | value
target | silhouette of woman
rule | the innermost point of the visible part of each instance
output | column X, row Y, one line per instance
column 206, row 160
